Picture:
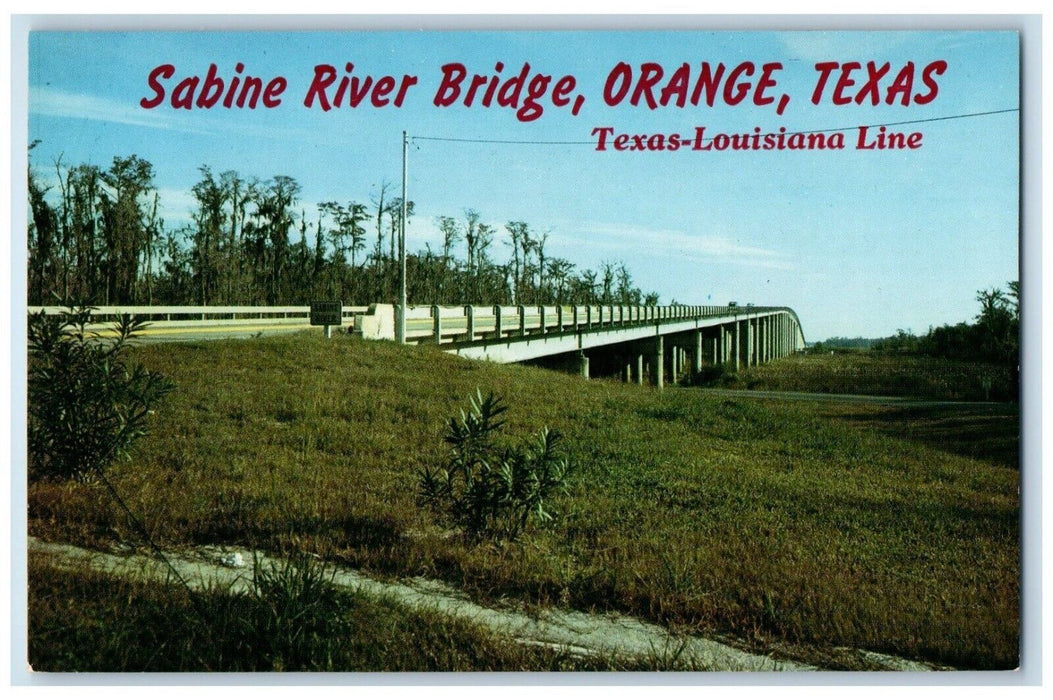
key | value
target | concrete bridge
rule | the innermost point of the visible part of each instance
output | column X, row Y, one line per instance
column 641, row 343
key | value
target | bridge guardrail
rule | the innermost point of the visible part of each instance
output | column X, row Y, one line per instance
column 188, row 316
column 431, row 323
column 469, row 323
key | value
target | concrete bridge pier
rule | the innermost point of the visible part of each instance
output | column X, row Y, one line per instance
column 583, row 364
column 750, row 330
column 758, row 350
column 786, row 337
column 767, row 339
column 782, row 336
column 736, row 349
column 777, row 341
column 763, row 339
column 760, row 341
column 696, row 368
column 659, row 365
column 678, row 360
column 780, row 346
column 773, row 325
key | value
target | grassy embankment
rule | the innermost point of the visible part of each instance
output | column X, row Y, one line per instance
column 882, row 374
column 794, row 526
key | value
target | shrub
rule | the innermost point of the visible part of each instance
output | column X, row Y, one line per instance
column 489, row 489
column 722, row 375
column 87, row 406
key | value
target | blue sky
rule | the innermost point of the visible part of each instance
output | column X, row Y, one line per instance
column 858, row 242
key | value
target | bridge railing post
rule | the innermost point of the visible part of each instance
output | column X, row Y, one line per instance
column 469, row 314
column 559, row 318
column 541, row 313
column 497, row 322
column 522, row 320
column 436, row 315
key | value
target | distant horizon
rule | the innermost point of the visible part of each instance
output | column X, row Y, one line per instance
column 860, row 243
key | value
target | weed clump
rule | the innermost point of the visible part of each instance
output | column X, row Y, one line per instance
column 295, row 613
column 489, row 489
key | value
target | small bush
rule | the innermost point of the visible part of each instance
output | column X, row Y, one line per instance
column 489, row 489
column 723, row 375
column 86, row 405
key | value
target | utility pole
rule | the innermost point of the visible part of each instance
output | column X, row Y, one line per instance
column 400, row 333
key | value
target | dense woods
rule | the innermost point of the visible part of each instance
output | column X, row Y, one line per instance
column 98, row 237
column 993, row 336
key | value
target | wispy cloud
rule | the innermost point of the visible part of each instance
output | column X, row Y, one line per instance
column 178, row 206
column 837, row 45
column 682, row 245
column 51, row 102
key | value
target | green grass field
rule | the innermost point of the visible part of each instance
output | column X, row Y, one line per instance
column 884, row 374
column 795, row 526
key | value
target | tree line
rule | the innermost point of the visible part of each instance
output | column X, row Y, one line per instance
column 98, row 237
column 993, row 337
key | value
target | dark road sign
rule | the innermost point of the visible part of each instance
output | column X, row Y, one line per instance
column 326, row 313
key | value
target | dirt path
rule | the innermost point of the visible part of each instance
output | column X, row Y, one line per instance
column 576, row 632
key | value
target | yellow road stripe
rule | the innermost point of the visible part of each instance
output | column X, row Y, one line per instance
column 211, row 329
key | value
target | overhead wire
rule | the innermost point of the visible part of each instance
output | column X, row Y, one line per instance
column 788, row 133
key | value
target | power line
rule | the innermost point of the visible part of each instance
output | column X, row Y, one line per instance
column 543, row 143
column 788, row 133
column 915, row 121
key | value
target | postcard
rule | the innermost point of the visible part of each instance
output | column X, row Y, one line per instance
column 405, row 349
